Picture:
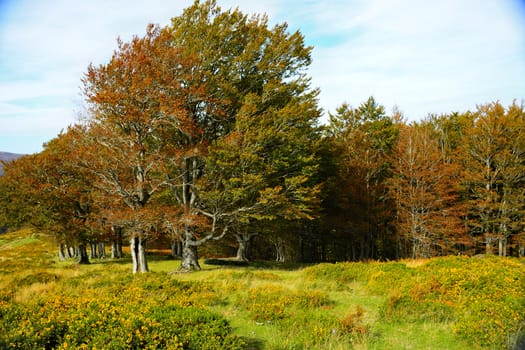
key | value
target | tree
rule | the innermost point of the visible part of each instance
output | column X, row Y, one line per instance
column 165, row 101
column 265, row 169
column 362, row 140
column 16, row 207
column 136, row 107
column 494, row 152
column 426, row 190
column 52, row 194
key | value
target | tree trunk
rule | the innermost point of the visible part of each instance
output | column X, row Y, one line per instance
column 102, row 250
column 61, row 251
column 190, row 258
column 137, row 247
column 243, row 239
column 242, row 250
column 281, row 251
column 176, row 248
column 488, row 246
column 116, row 244
column 116, row 250
column 71, row 252
column 93, row 249
column 82, row 254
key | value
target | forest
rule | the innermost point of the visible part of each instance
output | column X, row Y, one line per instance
column 205, row 136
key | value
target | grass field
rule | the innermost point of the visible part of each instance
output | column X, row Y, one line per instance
column 441, row 303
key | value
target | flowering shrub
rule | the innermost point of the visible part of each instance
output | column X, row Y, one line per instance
column 483, row 298
column 133, row 318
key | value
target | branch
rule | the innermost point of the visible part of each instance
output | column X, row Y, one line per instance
column 209, row 237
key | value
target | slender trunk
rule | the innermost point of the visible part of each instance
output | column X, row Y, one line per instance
column 488, row 245
column 143, row 261
column 93, row 250
column 280, row 251
column 116, row 244
column 61, row 252
column 176, row 248
column 116, row 250
column 119, row 249
column 71, row 252
column 102, row 250
column 82, row 254
column 137, row 247
column 173, row 245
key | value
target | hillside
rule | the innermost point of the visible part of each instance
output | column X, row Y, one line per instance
column 441, row 303
column 7, row 157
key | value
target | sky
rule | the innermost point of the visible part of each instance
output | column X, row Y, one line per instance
column 419, row 57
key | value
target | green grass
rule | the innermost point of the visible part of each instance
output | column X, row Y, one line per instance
column 442, row 303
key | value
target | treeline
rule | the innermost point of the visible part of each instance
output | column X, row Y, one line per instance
column 449, row 184
column 207, row 132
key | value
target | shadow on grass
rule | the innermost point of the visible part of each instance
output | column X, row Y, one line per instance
column 126, row 259
column 253, row 344
column 216, row 262
column 270, row 265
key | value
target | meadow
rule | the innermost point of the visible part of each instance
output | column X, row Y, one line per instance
column 442, row 303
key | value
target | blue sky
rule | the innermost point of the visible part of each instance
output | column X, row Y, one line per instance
column 432, row 56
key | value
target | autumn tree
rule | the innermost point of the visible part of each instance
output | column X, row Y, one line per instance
column 136, row 107
column 16, row 208
column 494, row 173
column 425, row 186
column 362, row 139
column 52, row 194
column 164, row 102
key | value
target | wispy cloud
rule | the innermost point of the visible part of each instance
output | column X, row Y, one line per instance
column 423, row 56
column 430, row 56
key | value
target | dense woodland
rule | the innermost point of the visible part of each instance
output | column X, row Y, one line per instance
column 206, row 134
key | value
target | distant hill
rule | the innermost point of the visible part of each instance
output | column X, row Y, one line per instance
column 7, row 157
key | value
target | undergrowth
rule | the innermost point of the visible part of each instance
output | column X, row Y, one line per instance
column 441, row 303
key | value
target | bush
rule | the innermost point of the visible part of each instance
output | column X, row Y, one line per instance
column 483, row 298
column 131, row 319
